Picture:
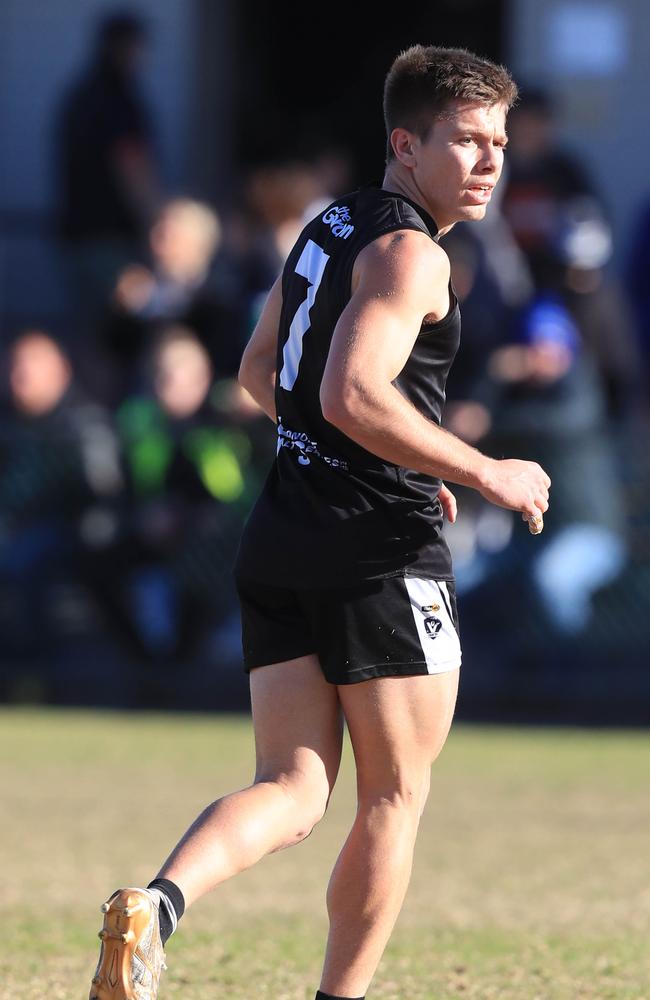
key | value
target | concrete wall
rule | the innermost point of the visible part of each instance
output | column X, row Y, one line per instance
column 594, row 55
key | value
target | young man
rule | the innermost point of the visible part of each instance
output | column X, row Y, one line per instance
column 344, row 578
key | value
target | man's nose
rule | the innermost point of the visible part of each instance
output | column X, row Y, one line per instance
column 491, row 160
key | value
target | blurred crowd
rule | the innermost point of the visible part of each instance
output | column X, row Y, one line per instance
column 130, row 455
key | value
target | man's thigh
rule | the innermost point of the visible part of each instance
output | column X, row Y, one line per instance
column 297, row 721
column 398, row 725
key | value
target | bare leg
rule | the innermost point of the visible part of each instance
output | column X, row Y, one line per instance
column 398, row 725
column 298, row 735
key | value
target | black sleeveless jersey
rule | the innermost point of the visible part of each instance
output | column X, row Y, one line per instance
column 332, row 513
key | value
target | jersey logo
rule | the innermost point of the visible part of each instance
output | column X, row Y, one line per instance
column 302, row 445
column 338, row 219
column 426, row 608
column 432, row 626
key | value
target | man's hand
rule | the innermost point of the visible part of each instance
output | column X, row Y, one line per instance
column 516, row 485
column 449, row 505
column 134, row 288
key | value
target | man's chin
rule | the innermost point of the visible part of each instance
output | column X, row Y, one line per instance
column 472, row 213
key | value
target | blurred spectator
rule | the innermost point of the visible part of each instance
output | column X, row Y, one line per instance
column 583, row 245
column 492, row 279
column 568, row 369
column 191, row 478
column 549, row 206
column 332, row 169
column 546, row 402
column 552, row 409
column 60, row 482
column 539, row 177
column 490, row 296
column 277, row 198
column 107, row 174
column 182, row 286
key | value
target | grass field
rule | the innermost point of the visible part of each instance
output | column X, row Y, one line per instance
column 531, row 880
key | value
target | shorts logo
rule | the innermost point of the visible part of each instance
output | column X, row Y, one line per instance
column 432, row 626
column 338, row 219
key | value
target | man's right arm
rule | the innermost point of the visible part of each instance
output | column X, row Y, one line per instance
column 258, row 363
column 401, row 279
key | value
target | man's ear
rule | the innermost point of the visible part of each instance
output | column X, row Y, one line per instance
column 404, row 146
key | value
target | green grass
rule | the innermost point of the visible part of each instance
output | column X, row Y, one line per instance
column 531, row 879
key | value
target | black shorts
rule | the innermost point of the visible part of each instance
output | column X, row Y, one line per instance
column 381, row 628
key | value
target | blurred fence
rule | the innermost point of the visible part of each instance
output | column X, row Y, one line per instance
column 522, row 658
column 128, row 458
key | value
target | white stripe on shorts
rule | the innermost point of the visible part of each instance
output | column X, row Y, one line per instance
column 436, row 632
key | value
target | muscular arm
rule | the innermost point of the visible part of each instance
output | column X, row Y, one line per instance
column 258, row 364
column 400, row 279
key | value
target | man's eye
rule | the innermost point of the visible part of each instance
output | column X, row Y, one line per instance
column 466, row 138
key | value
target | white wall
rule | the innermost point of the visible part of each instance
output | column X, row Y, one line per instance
column 43, row 45
column 594, row 55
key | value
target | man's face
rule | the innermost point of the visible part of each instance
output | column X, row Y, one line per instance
column 459, row 163
column 182, row 377
column 39, row 374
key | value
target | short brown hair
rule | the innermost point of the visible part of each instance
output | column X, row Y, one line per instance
column 425, row 79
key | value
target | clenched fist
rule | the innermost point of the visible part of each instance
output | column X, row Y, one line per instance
column 517, row 485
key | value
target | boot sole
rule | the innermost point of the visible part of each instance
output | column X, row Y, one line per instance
column 126, row 916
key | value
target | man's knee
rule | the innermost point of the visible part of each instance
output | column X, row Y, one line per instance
column 404, row 794
column 307, row 796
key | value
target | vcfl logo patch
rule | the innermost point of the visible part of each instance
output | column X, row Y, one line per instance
column 432, row 626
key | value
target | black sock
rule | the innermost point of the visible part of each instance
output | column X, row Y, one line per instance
column 172, row 906
column 328, row 996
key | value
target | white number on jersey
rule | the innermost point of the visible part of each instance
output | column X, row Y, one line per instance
column 311, row 265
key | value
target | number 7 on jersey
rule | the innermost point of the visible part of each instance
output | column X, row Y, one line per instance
column 311, row 265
